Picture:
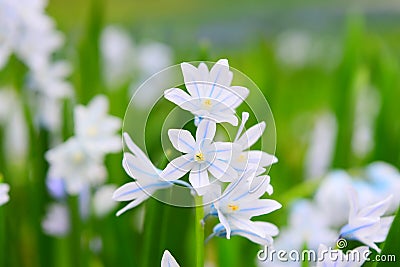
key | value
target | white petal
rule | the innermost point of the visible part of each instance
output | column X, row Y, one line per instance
column 223, row 150
column 177, row 168
column 225, row 223
column 353, row 199
column 241, row 92
column 385, row 224
column 199, row 179
column 180, row 98
column 136, row 150
column 222, row 117
column 133, row 204
column 128, row 192
column 251, row 135
column 376, row 210
column 182, row 140
column 258, row 207
column 168, row 260
column 219, row 75
column 222, row 171
column 205, row 131
column 191, row 78
column 138, row 168
column 260, row 158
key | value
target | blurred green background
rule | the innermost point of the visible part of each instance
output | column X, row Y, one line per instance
column 309, row 58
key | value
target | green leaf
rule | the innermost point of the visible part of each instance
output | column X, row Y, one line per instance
column 392, row 244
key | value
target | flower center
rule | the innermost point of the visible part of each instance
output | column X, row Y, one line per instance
column 92, row 131
column 207, row 103
column 233, row 207
column 199, row 157
column 77, row 157
column 241, row 158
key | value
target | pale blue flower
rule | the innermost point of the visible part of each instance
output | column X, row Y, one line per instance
column 244, row 158
column 146, row 175
column 241, row 201
column 367, row 224
column 168, row 260
column 201, row 157
column 211, row 95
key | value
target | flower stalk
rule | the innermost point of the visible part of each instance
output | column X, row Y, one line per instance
column 199, row 231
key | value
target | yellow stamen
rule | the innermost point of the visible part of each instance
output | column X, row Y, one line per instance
column 233, row 207
column 241, row 158
column 207, row 103
column 199, row 157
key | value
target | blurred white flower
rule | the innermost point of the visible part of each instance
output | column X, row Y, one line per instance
column 147, row 176
column 118, row 56
column 13, row 122
column 30, row 34
column 307, row 227
column 321, row 147
column 201, row 157
column 95, row 128
column 168, row 260
column 241, row 201
column 331, row 202
column 151, row 58
column 293, row 48
column 76, row 165
column 384, row 180
column 56, row 222
column 367, row 224
column 102, row 203
column 211, row 95
column 4, row 197
column 328, row 257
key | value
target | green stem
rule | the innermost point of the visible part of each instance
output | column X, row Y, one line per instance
column 199, row 228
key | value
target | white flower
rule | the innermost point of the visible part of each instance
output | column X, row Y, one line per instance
column 168, row 260
column 260, row 233
column 4, row 197
column 333, row 203
column 75, row 165
column 244, row 158
column 211, row 95
column 367, row 224
column 140, row 168
column 201, row 156
column 336, row 258
column 118, row 55
column 56, row 221
column 384, row 179
column 240, row 202
column 101, row 200
column 321, row 146
column 96, row 128
column 307, row 226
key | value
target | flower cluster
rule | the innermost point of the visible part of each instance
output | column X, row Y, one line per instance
column 30, row 34
column 79, row 160
column 334, row 215
column 211, row 165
